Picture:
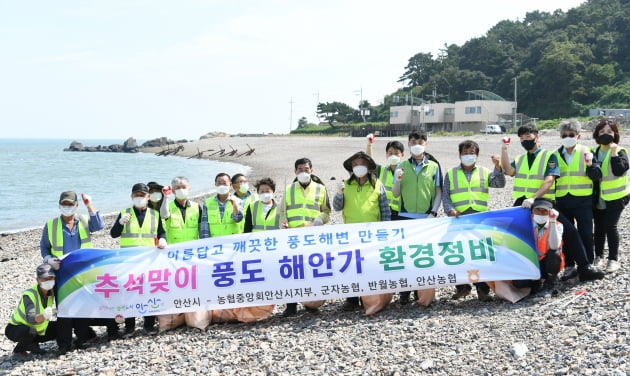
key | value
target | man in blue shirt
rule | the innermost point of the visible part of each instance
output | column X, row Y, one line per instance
column 63, row 235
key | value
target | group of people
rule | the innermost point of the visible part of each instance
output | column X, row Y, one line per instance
column 569, row 191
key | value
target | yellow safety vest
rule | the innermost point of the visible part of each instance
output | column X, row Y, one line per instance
column 573, row 178
column 133, row 235
column 179, row 230
column 528, row 180
column 55, row 234
column 471, row 194
column 301, row 209
column 243, row 206
column 360, row 203
column 262, row 223
column 19, row 316
column 418, row 190
column 613, row 187
column 386, row 176
column 220, row 226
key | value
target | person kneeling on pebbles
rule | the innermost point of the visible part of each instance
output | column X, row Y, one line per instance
column 31, row 322
column 548, row 234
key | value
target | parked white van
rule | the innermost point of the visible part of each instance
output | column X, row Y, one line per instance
column 493, row 128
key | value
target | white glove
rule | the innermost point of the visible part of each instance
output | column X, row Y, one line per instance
column 370, row 138
column 161, row 243
column 124, row 219
column 553, row 215
column 588, row 158
column 48, row 313
column 527, row 203
column 398, row 174
column 53, row 262
column 340, row 187
column 318, row 222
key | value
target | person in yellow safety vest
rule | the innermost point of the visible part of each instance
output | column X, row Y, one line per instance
column 394, row 152
column 220, row 213
column 361, row 198
column 31, row 322
column 262, row 215
column 548, row 233
column 156, row 197
column 181, row 217
column 466, row 191
column 535, row 174
column 63, row 235
column 138, row 226
column 418, row 183
column 574, row 186
column 241, row 191
column 305, row 204
column 612, row 193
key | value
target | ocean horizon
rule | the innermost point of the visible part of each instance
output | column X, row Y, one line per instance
column 35, row 172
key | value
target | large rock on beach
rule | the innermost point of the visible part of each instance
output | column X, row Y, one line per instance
column 130, row 145
column 158, row 142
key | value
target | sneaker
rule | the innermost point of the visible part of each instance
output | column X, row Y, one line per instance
column 62, row 351
column 612, row 266
column 34, row 348
column 403, row 297
column 290, row 310
column 462, row 291
column 311, row 309
column 20, row 351
column 598, row 262
column 483, row 295
column 590, row 273
column 151, row 330
column 351, row 304
column 568, row 273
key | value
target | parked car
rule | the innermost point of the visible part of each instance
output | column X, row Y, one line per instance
column 493, row 128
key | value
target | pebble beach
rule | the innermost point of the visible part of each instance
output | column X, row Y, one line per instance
column 584, row 330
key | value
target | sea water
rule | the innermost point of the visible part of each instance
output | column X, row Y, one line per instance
column 34, row 172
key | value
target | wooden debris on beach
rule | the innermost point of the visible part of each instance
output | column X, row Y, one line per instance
column 231, row 153
column 247, row 153
column 169, row 151
column 199, row 154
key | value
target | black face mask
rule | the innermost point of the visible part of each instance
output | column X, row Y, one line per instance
column 605, row 139
column 528, row 144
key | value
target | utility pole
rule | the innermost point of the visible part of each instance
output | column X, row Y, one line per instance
column 360, row 92
column 291, row 115
column 316, row 114
column 515, row 105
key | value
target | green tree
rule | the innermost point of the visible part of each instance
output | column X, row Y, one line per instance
column 302, row 122
column 339, row 112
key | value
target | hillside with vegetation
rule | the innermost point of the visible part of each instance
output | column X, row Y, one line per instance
column 562, row 64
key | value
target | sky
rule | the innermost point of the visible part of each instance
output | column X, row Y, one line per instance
column 149, row 68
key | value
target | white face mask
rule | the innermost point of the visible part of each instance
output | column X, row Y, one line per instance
column 569, row 142
column 266, row 197
column 541, row 219
column 304, row 177
column 393, row 160
column 243, row 188
column 181, row 193
column 156, row 196
column 223, row 189
column 468, row 159
column 359, row 171
column 139, row 202
column 67, row 211
column 417, row 149
column 47, row 285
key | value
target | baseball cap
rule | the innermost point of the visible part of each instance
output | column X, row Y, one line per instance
column 154, row 185
column 68, row 196
column 140, row 187
column 542, row 203
column 44, row 271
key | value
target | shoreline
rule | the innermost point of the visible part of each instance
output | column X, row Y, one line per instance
column 560, row 335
